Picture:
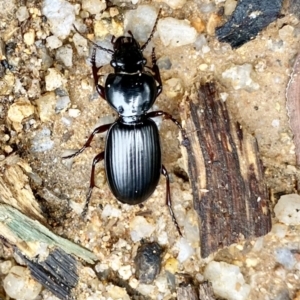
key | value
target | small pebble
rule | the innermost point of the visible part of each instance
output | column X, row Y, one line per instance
column 227, row 281
column 148, row 262
column 287, row 210
column 22, row 14
column 173, row 87
column 164, row 63
column 18, row 284
column 140, row 228
column 74, row 112
column 110, row 211
column 81, row 44
column 42, row 141
column 240, row 77
column 93, row 6
column 46, row 106
column 54, row 79
column 140, row 21
column 5, row 266
column 175, row 33
column 213, row 22
column 62, row 103
column 61, row 16
column 185, row 250
column 53, row 42
column 285, row 257
column 175, row 4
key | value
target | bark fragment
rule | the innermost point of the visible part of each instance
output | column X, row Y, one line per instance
column 226, row 174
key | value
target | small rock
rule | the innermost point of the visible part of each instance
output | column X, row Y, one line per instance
column 229, row 7
column 18, row 111
column 81, row 44
column 213, row 22
column 46, row 106
column 173, row 87
column 53, row 42
column 74, row 112
column 164, row 63
column 287, row 210
column 93, row 6
column 185, row 250
column 198, row 24
column 227, row 281
column 240, row 77
column 22, row 14
column 65, row 55
column 35, row 90
column 125, row 272
column 60, row 15
column 62, row 103
column 140, row 21
column 148, row 262
column 113, row 11
column 279, row 230
column 42, row 141
column 54, row 80
column 110, row 211
column 7, row 84
column 5, row 266
column 286, row 32
column 175, row 33
column 285, row 257
column 115, row 292
column 171, row 265
column 175, row 4
column 29, row 37
column 18, row 284
column 140, row 228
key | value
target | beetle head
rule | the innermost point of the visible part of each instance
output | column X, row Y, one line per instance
column 128, row 56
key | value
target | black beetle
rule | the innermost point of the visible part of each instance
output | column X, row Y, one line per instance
column 132, row 155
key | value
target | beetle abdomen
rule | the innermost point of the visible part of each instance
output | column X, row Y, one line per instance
column 133, row 161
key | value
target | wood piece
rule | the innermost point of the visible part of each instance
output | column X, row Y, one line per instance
column 206, row 291
column 186, row 289
column 15, row 189
column 28, row 235
column 293, row 105
column 50, row 258
column 58, row 272
column 226, row 174
column 247, row 20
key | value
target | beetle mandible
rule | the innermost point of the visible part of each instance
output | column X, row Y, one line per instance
column 132, row 155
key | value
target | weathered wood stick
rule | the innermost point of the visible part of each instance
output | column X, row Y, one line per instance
column 226, row 174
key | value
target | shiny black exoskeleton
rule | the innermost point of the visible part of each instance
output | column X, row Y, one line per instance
column 132, row 154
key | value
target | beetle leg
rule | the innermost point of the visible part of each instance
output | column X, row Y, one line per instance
column 97, row 158
column 100, row 89
column 168, row 198
column 97, row 130
column 167, row 116
column 156, row 72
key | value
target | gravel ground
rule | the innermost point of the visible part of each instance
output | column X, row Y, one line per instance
column 48, row 106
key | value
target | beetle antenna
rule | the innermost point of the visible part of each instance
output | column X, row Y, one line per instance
column 153, row 30
column 96, row 45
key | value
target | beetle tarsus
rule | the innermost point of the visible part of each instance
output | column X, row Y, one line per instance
column 168, row 198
